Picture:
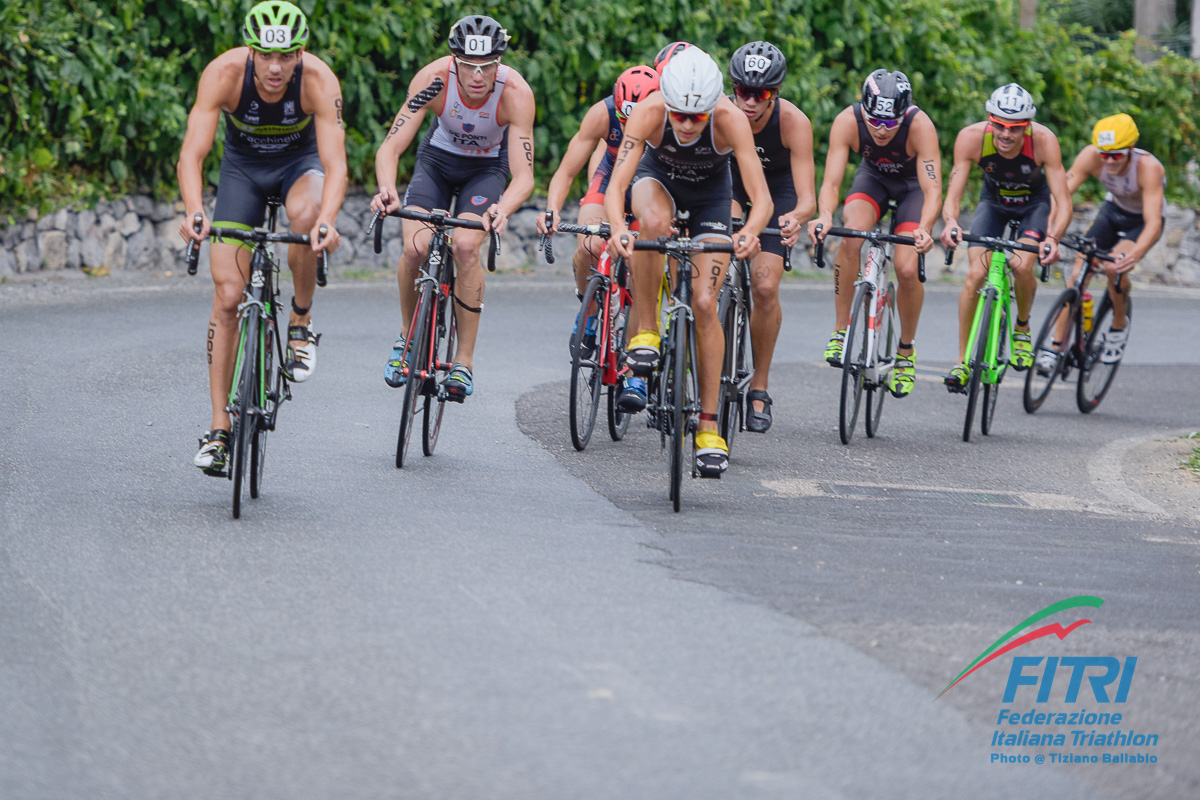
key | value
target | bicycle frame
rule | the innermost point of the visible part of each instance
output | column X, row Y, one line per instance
column 997, row 286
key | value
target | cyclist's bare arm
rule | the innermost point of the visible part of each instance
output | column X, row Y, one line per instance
column 731, row 128
column 924, row 138
column 1046, row 144
column 220, row 87
column 967, row 147
column 1086, row 165
column 322, row 97
column 1150, row 181
column 579, row 151
column 517, row 110
column 596, row 157
column 646, row 121
column 795, row 129
column 422, row 96
column 843, row 135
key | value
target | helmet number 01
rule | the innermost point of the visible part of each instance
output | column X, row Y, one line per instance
column 477, row 45
column 276, row 36
column 755, row 63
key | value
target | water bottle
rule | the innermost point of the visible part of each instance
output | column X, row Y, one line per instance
column 1089, row 309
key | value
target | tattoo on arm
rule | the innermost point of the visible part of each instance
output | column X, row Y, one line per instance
column 426, row 95
column 527, row 146
column 337, row 104
column 401, row 118
column 626, row 149
column 930, row 171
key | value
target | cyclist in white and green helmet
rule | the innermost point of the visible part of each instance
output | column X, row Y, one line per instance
column 284, row 138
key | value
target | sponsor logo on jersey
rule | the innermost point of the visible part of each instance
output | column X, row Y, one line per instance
column 478, row 200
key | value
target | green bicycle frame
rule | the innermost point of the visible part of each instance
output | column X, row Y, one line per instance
column 999, row 289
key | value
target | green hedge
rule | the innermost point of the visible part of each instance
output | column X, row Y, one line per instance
column 96, row 99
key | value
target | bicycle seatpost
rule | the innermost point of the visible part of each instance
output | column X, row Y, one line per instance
column 193, row 248
column 322, row 257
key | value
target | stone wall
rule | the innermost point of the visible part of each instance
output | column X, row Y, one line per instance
column 138, row 233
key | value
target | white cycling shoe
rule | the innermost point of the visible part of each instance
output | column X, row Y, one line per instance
column 302, row 359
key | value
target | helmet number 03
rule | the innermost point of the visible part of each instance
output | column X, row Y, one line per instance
column 276, row 36
column 756, row 63
column 477, row 45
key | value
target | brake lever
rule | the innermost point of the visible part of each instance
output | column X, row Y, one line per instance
column 322, row 257
column 193, row 248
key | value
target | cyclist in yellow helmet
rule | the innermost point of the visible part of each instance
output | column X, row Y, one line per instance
column 1131, row 218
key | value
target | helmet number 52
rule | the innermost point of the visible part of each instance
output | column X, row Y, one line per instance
column 276, row 36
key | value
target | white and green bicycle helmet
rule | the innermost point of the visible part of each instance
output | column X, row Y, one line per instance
column 275, row 26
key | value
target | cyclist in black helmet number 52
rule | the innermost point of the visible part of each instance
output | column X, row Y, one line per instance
column 676, row 153
column 482, row 130
column 284, row 137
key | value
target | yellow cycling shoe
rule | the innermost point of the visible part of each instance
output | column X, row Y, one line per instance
column 643, row 353
column 712, row 454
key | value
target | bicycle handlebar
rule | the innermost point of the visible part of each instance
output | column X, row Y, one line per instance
column 875, row 237
column 738, row 224
column 996, row 243
column 257, row 236
column 1087, row 248
column 668, row 245
column 193, row 248
column 440, row 219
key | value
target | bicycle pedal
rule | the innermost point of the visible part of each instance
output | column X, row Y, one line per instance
column 216, row 473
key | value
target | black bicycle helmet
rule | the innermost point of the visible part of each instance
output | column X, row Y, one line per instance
column 886, row 95
column 478, row 36
column 758, row 65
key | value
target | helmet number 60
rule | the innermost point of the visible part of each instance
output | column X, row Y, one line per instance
column 755, row 63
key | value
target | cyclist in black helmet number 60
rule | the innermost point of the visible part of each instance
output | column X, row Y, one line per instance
column 783, row 137
column 482, row 130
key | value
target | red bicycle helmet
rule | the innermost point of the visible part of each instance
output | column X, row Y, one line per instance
column 632, row 87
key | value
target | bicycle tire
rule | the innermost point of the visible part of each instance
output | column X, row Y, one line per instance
column 991, row 391
column 1095, row 377
column 443, row 353
column 729, row 406
column 587, row 368
column 272, row 384
column 885, row 354
column 247, row 383
column 415, row 362
column 678, row 380
column 1037, row 383
column 854, row 363
column 975, row 364
column 618, row 421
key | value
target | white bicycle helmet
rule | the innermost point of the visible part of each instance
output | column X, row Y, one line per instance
column 692, row 82
column 1011, row 102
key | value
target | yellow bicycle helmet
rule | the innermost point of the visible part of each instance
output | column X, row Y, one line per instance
column 1115, row 133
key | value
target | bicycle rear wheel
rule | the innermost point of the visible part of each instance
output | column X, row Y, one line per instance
column 618, row 421
column 854, row 363
column 1095, row 377
column 443, row 353
column 587, row 366
column 977, row 360
column 885, row 357
column 273, row 384
column 247, row 386
column 1039, row 381
column 416, row 360
column 729, row 406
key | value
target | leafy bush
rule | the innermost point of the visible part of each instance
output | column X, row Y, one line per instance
column 97, row 95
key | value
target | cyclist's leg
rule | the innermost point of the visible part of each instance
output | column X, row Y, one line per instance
column 911, row 294
column 766, row 315
column 654, row 209
column 709, row 221
column 1119, row 284
column 1032, row 231
column 861, row 212
column 302, row 199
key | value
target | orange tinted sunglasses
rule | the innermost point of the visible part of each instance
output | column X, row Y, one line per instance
column 680, row 116
column 1008, row 126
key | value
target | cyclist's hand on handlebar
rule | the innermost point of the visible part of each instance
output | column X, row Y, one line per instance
column 620, row 242
column 745, row 245
column 1048, row 252
column 495, row 219
column 387, row 201
column 789, row 223
column 332, row 237
column 951, row 234
column 922, row 240
column 825, row 222
column 1124, row 263
column 541, row 221
column 187, row 229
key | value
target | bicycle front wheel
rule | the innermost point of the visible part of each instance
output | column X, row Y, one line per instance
column 1095, row 376
column 618, row 421
column 415, row 362
column 885, row 357
column 679, row 401
column 991, row 391
column 587, row 368
column 272, row 382
column 854, row 363
column 978, row 360
column 443, row 357
column 729, row 406
column 247, row 387
column 1040, row 378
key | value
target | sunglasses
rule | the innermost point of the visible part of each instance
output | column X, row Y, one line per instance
column 886, row 124
column 1113, row 155
column 466, row 66
column 680, row 116
column 1008, row 126
column 748, row 93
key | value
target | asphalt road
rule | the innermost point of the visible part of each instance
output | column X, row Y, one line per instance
column 510, row 618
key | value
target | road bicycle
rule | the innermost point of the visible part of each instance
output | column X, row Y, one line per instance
column 737, row 368
column 432, row 331
column 260, row 382
column 598, row 340
column 989, row 344
column 674, row 396
column 1081, row 339
column 869, row 352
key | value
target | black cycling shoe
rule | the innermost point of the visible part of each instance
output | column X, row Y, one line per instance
column 758, row 421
